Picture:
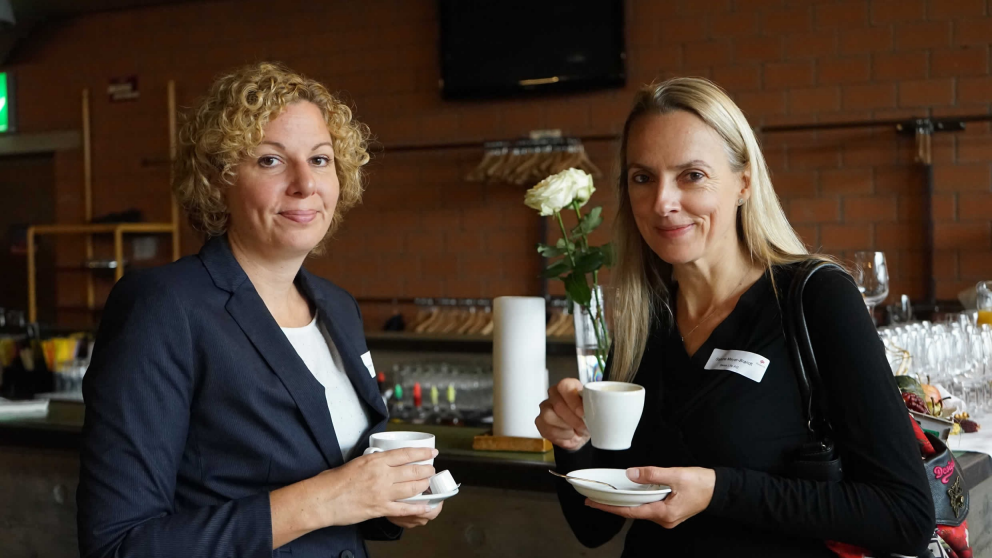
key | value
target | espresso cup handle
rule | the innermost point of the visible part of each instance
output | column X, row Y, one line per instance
column 371, row 449
column 583, row 409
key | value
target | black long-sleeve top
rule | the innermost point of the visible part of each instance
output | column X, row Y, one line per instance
column 747, row 432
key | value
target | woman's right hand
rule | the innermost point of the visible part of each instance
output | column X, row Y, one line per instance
column 369, row 486
column 560, row 421
column 366, row 487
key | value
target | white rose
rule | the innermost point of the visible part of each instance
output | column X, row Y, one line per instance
column 557, row 191
column 584, row 187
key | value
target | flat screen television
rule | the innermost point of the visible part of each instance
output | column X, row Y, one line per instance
column 507, row 48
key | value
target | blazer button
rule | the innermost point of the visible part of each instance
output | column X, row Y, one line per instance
column 347, row 554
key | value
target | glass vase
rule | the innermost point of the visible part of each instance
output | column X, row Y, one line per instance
column 586, row 342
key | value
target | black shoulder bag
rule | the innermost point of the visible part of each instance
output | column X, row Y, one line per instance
column 816, row 459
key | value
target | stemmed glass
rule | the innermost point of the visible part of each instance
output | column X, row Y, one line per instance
column 872, row 277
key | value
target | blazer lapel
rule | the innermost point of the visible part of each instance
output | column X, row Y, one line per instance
column 254, row 319
column 365, row 385
column 247, row 308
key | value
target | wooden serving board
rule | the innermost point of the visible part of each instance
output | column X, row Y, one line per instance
column 488, row 442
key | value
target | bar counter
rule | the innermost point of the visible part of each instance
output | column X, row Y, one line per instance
column 506, row 506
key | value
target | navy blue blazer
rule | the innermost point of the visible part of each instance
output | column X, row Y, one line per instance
column 197, row 406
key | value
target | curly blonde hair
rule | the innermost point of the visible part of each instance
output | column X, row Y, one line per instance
column 226, row 126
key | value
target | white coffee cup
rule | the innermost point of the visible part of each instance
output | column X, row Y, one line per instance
column 612, row 412
column 385, row 441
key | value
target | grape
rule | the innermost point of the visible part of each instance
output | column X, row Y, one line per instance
column 969, row 426
column 915, row 403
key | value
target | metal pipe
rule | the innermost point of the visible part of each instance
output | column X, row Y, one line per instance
column 119, row 253
column 88, row 193
column 171, row 91
column 811, row 127
column 32, row 295
column 931, row 289
column 410, row 147
column 867, row 124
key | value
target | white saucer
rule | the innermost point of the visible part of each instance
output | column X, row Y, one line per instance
column 628, row 493
column 432, row 500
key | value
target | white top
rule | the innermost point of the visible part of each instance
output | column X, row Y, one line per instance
column 348, row 413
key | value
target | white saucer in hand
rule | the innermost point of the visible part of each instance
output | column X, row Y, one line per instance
column 432, row 500
column 628, row 493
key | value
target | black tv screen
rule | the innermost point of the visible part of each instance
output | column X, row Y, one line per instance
column 505, row 48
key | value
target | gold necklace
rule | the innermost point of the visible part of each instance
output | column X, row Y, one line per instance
column 707, row 315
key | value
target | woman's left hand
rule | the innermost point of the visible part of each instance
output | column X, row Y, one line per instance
column 411, row 521
column 692, row 490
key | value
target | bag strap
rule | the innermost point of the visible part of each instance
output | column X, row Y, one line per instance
column 801, row 349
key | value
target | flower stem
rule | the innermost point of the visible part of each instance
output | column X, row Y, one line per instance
column 578, row 214
column 564, row 233
column 598, row 323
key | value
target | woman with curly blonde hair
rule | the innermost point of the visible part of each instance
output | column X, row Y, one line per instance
column 231, row 393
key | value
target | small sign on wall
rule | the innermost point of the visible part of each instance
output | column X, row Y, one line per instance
column 123, row 89
column 7, row 113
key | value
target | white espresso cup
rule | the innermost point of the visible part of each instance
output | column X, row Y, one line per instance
column 385, row 441
column 612, row 412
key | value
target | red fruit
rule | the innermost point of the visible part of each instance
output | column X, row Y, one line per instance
column 970, row 426
column 915, row 403
column 926, row 448
column 957, row 538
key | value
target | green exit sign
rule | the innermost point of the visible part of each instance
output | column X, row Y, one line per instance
column 5, row 102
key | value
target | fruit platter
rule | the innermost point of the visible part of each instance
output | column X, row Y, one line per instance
column 941, row 415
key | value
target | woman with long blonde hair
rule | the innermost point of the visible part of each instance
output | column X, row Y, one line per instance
column 704, row 250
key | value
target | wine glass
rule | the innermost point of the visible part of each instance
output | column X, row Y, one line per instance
column 872, row 276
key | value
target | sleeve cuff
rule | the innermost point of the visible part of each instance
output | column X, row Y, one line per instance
column 256, row 532
column 721, row 490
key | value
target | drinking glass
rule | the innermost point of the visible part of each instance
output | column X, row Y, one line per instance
column 872, row 277
column 984, row 302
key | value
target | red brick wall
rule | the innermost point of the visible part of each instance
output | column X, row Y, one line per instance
column 423, row 231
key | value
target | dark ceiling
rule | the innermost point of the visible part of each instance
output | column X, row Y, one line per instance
column 55, row 9
column 30, row 14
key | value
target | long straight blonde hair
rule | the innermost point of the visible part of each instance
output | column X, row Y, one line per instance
column 641, row 279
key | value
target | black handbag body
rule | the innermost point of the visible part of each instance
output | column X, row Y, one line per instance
column 818, row 459
column 947, row 487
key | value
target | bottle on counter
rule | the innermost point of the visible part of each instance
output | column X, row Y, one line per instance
column 398, row 412
column 453, row 415
column 22, row 358
column 24, row 369
column 42, row 379
column 419, row 415
column 435, row 413
column 14, row 382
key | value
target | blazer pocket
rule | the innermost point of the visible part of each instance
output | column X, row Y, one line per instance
column 233, row 474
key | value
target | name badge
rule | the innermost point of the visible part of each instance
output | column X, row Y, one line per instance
column 367, row 359
column 750, row 365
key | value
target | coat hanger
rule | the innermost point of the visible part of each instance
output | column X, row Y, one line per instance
column 494, row 151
